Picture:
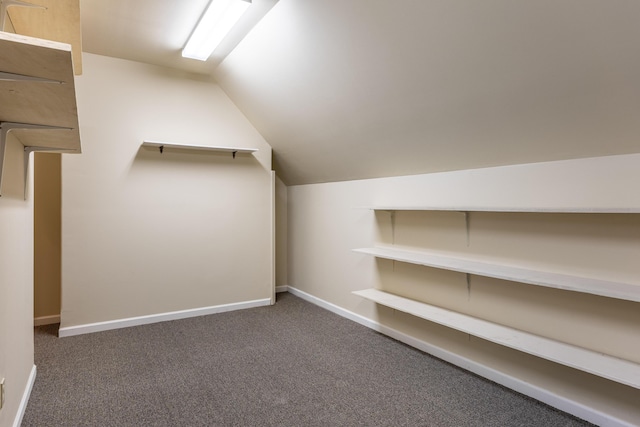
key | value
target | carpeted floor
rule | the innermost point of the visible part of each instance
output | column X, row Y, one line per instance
column 291, row 364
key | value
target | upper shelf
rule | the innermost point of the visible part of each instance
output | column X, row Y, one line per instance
column 37, row 97
column 619, row 290
column 506, row 209
column 163, row 145
column 57, row 20
column 48, row 101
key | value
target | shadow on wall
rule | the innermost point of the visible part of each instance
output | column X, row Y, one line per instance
column 13, row 181
column 191, row 177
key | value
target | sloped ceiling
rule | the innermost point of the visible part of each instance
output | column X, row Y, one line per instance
column 349, row 89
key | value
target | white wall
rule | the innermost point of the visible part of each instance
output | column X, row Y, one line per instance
column 16, row 283
column 326, row 221
column 146, row 233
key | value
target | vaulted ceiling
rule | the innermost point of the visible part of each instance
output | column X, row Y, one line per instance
column 349, row 89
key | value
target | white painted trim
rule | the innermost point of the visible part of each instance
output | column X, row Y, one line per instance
column 283, row 288
column 560, row 402
column 46, row 320
column 161, row 317
column 334, row 308
column 272, row 198
column 25, row 398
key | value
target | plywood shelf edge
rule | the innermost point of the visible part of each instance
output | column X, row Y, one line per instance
column 506, row 209
column 602, row 365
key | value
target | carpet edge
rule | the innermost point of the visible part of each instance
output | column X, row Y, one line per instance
column 543, row 395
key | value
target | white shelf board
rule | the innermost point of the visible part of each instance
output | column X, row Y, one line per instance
column 158, row 144
column 619, row 290
column 612, row 368
column 507, row 209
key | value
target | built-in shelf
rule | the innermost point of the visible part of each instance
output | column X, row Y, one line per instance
column 161, row 146
column 612, row 368
column 619, row 290
column 504, row 209
column 37, row 96
column 46, row 19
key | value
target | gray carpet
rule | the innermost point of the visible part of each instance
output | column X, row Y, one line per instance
column 291, row 364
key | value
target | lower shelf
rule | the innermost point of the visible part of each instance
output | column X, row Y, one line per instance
column 612, row 368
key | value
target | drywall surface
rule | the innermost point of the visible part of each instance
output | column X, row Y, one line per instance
column 16, row 282
column 327, row 221
column 437, row 85
column 47, row 243
column 145, row 232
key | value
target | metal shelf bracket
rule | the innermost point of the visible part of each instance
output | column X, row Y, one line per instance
column 13, row 77
column 6, row 127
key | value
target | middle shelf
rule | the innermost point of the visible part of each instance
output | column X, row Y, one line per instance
column 611, row 289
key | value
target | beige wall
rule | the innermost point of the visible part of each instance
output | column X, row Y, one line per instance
column 326, row 221
column 16, row 282
column 47, row 256
column 146, row 233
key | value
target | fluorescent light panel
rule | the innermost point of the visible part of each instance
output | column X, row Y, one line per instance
column 214, row 25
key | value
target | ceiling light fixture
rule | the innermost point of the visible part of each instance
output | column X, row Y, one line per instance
column 214, row 25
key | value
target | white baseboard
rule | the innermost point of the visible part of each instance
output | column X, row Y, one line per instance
column 560, row 402
column 25, row 398
column 283, row 288
column 161, row 317
column 46, row 320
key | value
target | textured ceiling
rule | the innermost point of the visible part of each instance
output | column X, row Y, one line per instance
column 349, row 89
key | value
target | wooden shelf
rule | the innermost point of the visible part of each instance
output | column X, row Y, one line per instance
column 57, row 20
column 37, row 95
column 619, row 290
column 172, row 145
column 612, row 368
column 617, row 210
column 45, row 103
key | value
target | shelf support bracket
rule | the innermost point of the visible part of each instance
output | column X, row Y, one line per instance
column 161, row 148
column 468, row 287
column 5, row 4
column 466, row 222
column 392, row 214
column 5, row 128
column 234, row 154
column 13, row 77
